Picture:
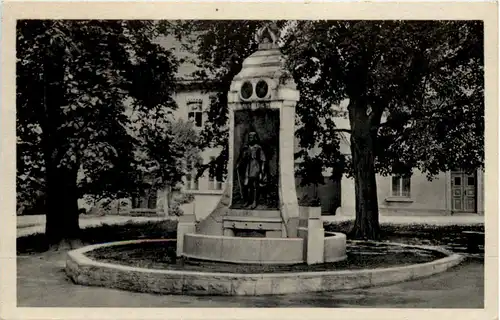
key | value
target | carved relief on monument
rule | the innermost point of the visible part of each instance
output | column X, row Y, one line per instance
column 256, row 154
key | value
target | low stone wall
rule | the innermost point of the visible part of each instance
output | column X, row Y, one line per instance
column 335, row 247
column 85, row 271
column 244, row 249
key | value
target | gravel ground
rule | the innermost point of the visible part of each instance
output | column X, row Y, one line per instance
column 39, row 273
column 459, row 287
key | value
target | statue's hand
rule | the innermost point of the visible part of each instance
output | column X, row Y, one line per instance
column 263, row 178
column 246, row 181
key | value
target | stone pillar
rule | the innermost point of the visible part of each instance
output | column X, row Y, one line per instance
column 480, row 192
column 261, row 102
column 288, row 194
column 315, row 237
column 347, row 198
column 228, row 232
column 186, row 224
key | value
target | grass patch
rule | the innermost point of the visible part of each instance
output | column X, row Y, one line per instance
column 448, row 236
column 166, row 229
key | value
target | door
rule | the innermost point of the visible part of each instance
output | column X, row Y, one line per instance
column 463, row 192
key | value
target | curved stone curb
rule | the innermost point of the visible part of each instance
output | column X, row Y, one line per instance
column 85, row 271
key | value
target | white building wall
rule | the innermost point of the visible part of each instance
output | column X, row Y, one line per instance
column 206, row 196
column 426, row 197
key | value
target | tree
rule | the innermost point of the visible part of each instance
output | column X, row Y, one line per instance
column 76, row 83
column 164, row 154
column 415, row 91
column 425, row 78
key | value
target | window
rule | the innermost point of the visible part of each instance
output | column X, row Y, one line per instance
column 401, row 186
column 189, row 180
column 471, row 181
column 195, row 112
column 192, row 182
column 195, row 184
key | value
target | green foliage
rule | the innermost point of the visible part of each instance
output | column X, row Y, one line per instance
column 310, row 201
column 420, row 83
column 105, row 233
column 165, row 151
column 415, row 93
column 95, row 97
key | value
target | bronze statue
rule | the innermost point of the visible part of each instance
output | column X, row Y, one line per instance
column 251, row 170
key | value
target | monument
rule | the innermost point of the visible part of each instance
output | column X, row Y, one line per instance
column 258, row 219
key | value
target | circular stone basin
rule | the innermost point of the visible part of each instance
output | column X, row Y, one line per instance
column 151, row 266
column 161, row 255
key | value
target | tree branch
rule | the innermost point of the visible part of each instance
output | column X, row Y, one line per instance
column 376, row 114
column 419, row 115
column 342, row 130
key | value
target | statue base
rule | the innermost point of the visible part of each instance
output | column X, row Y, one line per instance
column 259, row 237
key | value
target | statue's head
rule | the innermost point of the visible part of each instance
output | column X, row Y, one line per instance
column 252, row 138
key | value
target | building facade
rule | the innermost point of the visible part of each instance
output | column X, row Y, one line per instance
column 452, row 192
column 192, row 104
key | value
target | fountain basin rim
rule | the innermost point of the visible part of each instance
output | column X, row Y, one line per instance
column 259, row 250
column 79, row 256
column 85, row 271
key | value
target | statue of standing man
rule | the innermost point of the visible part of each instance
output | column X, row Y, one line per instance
column 252, row 171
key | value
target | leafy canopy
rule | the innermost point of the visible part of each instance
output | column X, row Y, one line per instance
column 419, row 82
column 96, row 97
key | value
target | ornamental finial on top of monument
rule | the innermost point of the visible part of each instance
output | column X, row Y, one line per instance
column 268, row 35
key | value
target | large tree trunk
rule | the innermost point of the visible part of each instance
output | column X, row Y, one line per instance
column 366, row 225
column 62, row 227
